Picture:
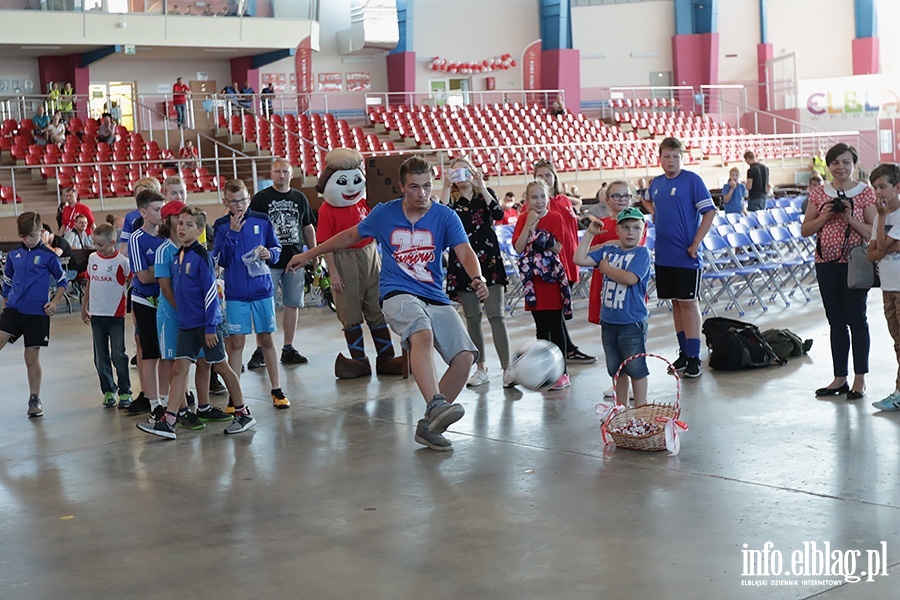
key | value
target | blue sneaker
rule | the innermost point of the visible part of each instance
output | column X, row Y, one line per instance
column 892, row 402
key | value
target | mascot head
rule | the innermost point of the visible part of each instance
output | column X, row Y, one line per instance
column 342, row 182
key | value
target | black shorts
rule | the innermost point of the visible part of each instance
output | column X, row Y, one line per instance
column 677, row 283
column 191, row 345
column 34, row 328
column 145, row 329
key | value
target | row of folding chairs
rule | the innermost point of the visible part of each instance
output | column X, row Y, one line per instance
column 758, row 267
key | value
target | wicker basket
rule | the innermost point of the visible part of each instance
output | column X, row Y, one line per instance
column 651, row 413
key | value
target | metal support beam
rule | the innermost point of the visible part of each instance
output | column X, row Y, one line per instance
column 89, row 58
column 866, row 18
column 267, row 58
column 556, row 24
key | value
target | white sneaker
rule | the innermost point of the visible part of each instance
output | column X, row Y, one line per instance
column 609, row 393
column 480, row 377
column 508, row 379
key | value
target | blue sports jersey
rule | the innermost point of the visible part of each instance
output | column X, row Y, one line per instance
column 27, row 278
column 162, row 267
column 411, row 254
column 678, row 203
column 128, row 227
column 230, row 246
column 736, row 204
column 141, row 257
column 194, row 283
column 624, row 304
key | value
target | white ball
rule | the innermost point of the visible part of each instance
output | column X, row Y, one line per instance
column 537, row 365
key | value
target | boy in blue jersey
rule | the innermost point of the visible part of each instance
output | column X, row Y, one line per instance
column 26, row 281
column 199, row 327
column 147, row 183
column 624, row 317
column 243, row 240
column 142, row 246
column 413, row 232
column 683, row 212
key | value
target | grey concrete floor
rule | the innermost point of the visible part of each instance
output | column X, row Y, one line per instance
column 334, row 499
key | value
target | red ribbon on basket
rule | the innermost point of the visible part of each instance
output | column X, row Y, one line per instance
column 607, row 412
column 673, row 444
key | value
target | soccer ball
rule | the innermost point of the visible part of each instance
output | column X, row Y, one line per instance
column 537, row 365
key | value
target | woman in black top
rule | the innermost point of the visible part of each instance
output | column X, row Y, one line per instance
column 465, row 192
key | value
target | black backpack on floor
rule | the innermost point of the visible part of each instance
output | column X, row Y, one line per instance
column 735, row 345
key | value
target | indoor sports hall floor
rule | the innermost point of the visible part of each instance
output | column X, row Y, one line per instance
column 334, row 499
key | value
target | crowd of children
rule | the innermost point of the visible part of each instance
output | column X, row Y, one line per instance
column 186, row 313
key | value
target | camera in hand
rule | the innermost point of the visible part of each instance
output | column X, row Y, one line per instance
column 837, row 205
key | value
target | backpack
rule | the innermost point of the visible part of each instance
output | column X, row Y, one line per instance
column 735, row 345
column 786, row 343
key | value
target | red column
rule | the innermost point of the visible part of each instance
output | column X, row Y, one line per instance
column 242, row 71
column 65, row 69
column 764, row 53
column 401, row 72
column 561, row 70
column 695, row 62
column 865, row 56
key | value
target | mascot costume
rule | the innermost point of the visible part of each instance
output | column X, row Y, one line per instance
column 354, row 271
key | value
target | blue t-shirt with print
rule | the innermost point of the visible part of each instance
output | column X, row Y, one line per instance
column 411, row 253
column 624, row 304
column 736, row 204
column 678, row 203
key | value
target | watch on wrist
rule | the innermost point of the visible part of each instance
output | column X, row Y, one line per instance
column 481, row 278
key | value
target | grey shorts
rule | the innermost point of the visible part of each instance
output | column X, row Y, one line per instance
column 291, row 286
column 407, row 314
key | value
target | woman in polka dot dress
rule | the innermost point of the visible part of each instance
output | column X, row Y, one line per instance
column 837, row 231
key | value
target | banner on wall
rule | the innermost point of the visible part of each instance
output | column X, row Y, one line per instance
column 531, row 66
column 848, row 103
column 359, row 82
column 331, row 82
column 303, row 72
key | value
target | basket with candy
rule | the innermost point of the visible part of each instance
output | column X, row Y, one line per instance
column 651, row 427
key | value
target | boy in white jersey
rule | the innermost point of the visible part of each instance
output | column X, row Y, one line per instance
column 104, row 309
column 885, row 250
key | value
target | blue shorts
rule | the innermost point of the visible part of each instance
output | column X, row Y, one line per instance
column 621, row 342
column 192, row 345
column 245, row 317
column 291, row 286
column 167, row 329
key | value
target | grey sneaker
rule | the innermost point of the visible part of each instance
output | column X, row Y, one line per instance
column 435, row 441
column 160, row 428
column 35, row 408
column 240, row 423
column 441, row 414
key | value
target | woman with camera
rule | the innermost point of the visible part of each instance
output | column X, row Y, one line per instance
column 476, row 204
column 841, row 214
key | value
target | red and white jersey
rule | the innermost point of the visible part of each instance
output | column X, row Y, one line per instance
column 108, row 278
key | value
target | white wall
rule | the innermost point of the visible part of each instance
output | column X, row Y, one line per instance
column 334, row 16
column 819, row 32
column 739, row 34
column 150, row 73
column 617, row 30
column 21, row 70
column 889, row 41
column 491, row 28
